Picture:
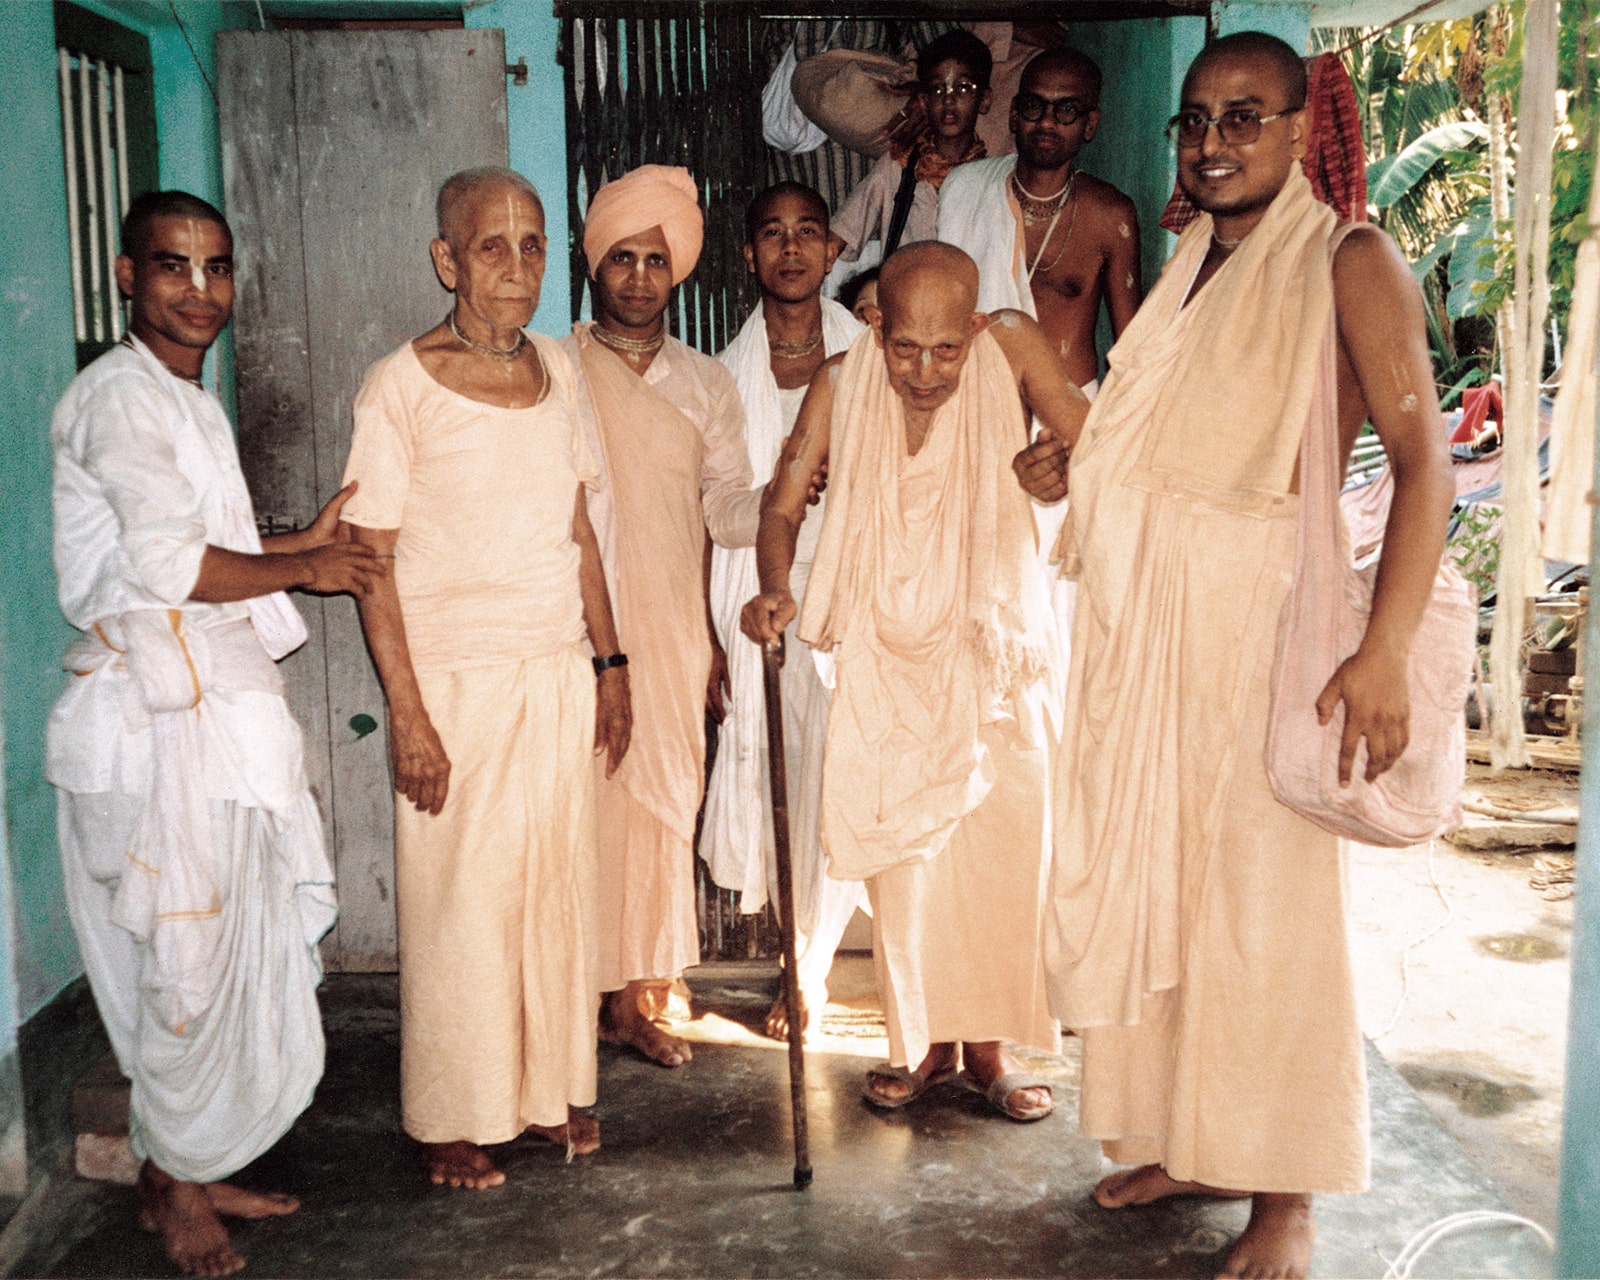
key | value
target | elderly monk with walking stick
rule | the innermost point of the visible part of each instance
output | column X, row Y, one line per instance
column 926, row 591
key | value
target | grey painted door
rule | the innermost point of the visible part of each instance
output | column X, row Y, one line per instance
column 333, row 145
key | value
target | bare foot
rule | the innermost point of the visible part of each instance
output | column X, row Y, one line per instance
column 623, row 1020
column 580, row 1134
column 778, row 1015
column 190, row 1230
column 1277, row 1243
column 460, row 1164
column 940, row 1064
column 236, row 1202
column 1148, row 1183
column 988, row 1060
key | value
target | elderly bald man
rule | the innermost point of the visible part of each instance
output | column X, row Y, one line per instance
column 925, row 587
column 667, row 424
column 472, row 470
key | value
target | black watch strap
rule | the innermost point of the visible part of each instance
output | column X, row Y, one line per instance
column 605, row 664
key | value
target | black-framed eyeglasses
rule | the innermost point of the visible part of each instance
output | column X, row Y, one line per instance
column 1031, row 107
column 1239, row 126
column 960, row 89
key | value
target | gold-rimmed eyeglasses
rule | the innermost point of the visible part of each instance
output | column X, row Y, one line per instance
column 1239, row 126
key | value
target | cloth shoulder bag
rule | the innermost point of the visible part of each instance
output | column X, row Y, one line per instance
column 1323, row 623
column 783, row 124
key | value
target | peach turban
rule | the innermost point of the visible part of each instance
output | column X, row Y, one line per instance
column 653, row 195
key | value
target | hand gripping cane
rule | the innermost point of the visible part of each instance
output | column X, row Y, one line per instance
column 772, row 660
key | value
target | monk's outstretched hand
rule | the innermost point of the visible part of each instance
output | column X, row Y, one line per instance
column 1042, row 468
column 1372, row 685
column 613, row 717
column 336, row 568
column 765, row 617
column 327, row 527
column 421, row 767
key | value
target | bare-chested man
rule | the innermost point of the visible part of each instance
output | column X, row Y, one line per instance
column 773, row 359
column 1049, row 239
column 472, row 466
column 925, row 590
column 1196, row 926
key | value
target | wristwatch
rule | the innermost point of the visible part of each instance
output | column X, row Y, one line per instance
column 602, row 665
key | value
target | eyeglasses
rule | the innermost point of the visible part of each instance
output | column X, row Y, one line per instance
column 1031, row 107
column 1239, row 126
column 960, row 89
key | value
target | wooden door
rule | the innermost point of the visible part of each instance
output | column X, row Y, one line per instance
column 334, row 144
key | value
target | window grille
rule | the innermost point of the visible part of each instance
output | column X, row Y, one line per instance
column 109, row 148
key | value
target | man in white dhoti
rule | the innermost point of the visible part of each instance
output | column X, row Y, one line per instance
column 471, row 467
column 780, row 347
column 925, row 591
column 191, row 846
column 1196, row 928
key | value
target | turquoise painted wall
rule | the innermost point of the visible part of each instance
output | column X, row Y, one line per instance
column 36, row 350
column 1289, row 22
column 1143, row 64
column 536, row 116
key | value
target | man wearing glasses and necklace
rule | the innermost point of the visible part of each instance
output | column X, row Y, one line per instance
column 1049, row 239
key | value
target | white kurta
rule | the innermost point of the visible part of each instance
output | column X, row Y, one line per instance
column 192, row 849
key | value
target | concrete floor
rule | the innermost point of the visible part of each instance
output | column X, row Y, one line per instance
column 695, row 1177
column 1476, row 1020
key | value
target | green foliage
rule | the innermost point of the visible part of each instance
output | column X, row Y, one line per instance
column 1475, row 546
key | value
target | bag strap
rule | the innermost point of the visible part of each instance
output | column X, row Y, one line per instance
column 1320, row 482
column 903, row 196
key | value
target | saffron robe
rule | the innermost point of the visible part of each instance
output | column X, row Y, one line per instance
column 674, row 468
column 925, row 587
column 1196, row 927
column 496, row 895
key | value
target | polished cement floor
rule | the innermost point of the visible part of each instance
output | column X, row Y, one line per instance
column 695, row 1178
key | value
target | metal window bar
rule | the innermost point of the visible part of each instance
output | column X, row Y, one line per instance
column 80, row 314
column 95, row 152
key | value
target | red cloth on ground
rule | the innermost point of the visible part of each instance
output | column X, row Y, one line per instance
column 1336, row 159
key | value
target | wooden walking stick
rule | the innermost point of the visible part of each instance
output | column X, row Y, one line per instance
column 772, row 661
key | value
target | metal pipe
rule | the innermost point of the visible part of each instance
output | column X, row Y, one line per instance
column 91, row 201
column 110, row 204
column 80, row 321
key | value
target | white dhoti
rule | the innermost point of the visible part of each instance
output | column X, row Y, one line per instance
column 736, row 838
column 211, row 1007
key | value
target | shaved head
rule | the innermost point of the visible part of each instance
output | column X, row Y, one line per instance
column 928, row 269
column 461, row 192
column 761, row 206
column 1071, row 61
column 1272, row 55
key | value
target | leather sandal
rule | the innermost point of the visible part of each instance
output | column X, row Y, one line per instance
column 917, row 1083
column 999, row 1092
